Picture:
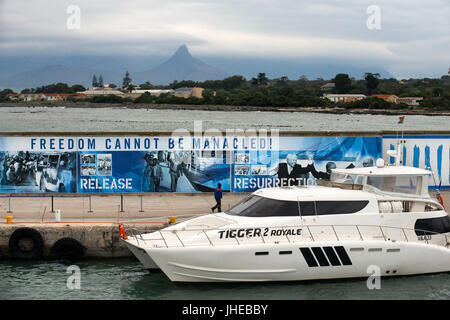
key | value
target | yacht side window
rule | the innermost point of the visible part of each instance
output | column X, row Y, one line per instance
column 256, row 206
column 308, row 208
column 396, row 184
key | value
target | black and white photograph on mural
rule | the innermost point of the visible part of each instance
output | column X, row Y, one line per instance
column 241, row 170
column 258, row 169
column 104, row 164
column 88, row 170
column 88, row 158
column 195, row 153
column 242, row 158
column 24, row 171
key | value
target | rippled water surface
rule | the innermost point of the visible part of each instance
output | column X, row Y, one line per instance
column 127, row 279
column 119, row 119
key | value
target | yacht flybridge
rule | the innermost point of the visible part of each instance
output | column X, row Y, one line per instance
column 375, row 216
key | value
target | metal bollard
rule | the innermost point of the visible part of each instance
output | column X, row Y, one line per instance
column 141, row 205
column 90, row 206
column 9, row 205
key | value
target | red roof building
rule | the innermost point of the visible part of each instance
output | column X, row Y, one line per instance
column 387, row 97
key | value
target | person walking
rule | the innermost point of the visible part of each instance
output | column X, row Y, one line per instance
column 218, row 197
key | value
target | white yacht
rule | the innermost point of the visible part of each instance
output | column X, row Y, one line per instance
column 374, row 216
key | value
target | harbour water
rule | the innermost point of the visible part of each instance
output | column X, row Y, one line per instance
column 119, row 119
column 126, row 279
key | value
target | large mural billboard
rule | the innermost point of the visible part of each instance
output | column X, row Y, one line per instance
column 301, row 160
column 169, row 164
column 424, row 151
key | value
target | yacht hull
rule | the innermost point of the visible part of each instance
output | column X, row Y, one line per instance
column 141, row 255
column 299, row 261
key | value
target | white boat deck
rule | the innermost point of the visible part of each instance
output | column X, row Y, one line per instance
column 281, row 234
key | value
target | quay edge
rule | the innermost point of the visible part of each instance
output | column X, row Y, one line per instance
column 98, row 240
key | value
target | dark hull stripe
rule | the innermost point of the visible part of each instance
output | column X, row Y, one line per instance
column 343, row 256
column 320, row 256
column 332, row 257
column 307, row 254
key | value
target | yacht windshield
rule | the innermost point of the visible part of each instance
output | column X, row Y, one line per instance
column 396, row 184
column 346, row 179
column 256, row 206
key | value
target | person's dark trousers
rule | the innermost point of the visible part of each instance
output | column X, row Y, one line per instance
column 218, row 205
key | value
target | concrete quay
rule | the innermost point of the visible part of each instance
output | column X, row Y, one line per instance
column 92, row 222
column 111, row 208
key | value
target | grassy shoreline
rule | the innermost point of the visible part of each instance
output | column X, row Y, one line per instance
column 329, row 110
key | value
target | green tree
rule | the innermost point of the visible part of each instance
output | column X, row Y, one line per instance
column 144, row 98
column 208, row 96
column 260, row 80
column 437, row 92
column 233, row 82
column 100, row 81
column 282, row 81
column 78, row 88
column 222, row 97
column 126, row 80
column 94, row 81
column 303, row 78
column 55, row 88
column 146, row 86
column 112, row 85
column 130, row 87
column 4, row 94
column 343, row 83
column 371, row 82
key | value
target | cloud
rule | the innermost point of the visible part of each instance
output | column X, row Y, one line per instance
column 413, row 36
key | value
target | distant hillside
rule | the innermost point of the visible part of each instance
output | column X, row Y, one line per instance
column 29, row 72
column 181, row 66
column 56, row 73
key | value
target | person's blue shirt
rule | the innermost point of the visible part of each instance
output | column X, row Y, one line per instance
column 218, row 193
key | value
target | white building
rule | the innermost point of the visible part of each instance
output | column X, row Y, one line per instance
column 92, row 92
column 344, row 97
column 153, row 92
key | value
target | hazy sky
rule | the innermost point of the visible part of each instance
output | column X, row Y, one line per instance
column 414, row 39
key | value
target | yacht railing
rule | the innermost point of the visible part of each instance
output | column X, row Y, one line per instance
column 173, row 237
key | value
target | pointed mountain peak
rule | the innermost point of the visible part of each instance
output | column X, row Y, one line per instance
column 182, row 51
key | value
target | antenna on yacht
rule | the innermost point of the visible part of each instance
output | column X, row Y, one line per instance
column 397, row 153
column 437, row 188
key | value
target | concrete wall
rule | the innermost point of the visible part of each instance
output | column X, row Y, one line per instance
column 99, row 240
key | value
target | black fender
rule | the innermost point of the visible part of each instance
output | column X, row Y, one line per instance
column 19, row 253
column 67, row 248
